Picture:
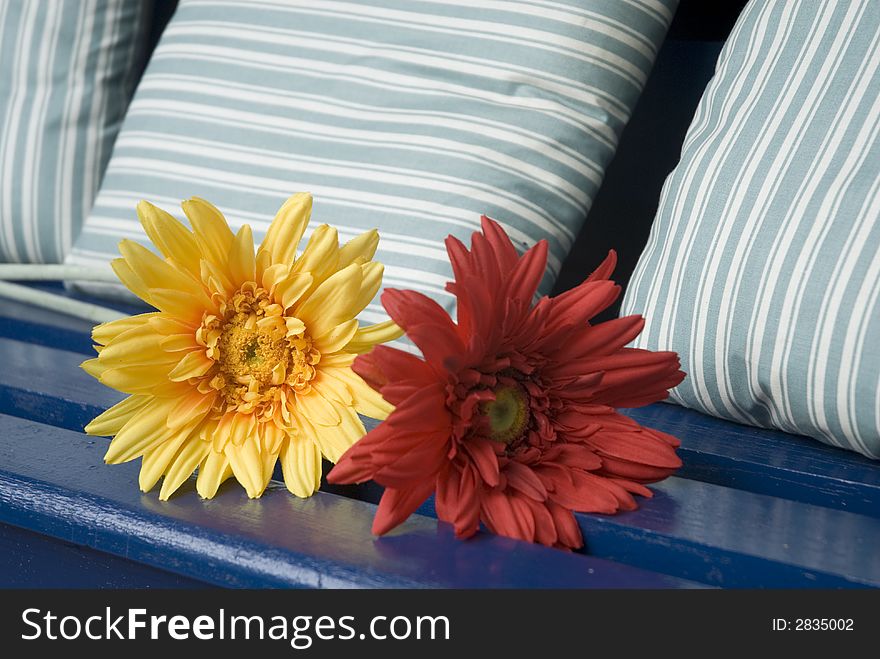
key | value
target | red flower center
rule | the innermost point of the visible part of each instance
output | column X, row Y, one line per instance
column 508, row 415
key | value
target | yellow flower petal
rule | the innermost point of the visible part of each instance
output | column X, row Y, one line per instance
column 190, row 408
column 221, row 432
column 242, row 428
column 338, row 359
column 192, row 365
column 333, row 389
column 93, row 367
column 168, row 325
column 111, row 420
column 272, row 275
column 136, row 379
column 181, row 304
column 183, row 465
column 146, row 429
column 178, row 342
column 156, row 273
column 301, row 465
column 292, row 288
column 212, row 472
column 333, row 302
column 333, row 441
column 359, row 249
column 157, row 460
column 366, row 400
column 139, row 345
column 247, row 466
column 372, row 280
column 287, row 229
column 212, row 233
column 215, row 279
column 273, row 436
column 174, row 240
column 320, row 255
column 106, row 332
column 131, row 281
column 269, row 460
column 294, row 326
column 317, row 409
column 367, row 337
column 242, row 267
column 338, row 337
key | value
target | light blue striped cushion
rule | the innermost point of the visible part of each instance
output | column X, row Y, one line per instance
column 763, row 268
column 67, row 69
column 407, row 115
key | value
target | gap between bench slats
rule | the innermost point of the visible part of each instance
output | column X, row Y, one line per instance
column 52, row 482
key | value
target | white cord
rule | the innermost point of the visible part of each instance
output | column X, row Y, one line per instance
column 59, row 303
column 46, row 271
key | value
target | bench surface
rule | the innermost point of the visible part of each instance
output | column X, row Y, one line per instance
column 750, row 508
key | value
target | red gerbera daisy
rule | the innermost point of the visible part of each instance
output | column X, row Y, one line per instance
column 510, row 416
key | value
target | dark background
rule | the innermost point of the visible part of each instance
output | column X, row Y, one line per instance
column 649, row 149
column 624, row 208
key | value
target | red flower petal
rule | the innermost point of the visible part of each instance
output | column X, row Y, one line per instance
column 578, row 305
column 633, row 471
column 566, row 527
column 422, row 460
column 638, row 447
column 482, row 452
column 545, row 525
column 501, row 244
column 426, row 324
column 457, row 500
column 585, row 493
column 395, row 365
column 604, row 338
column 420, row 420
column 605, row 268
column 398, row 504
column 523, row 280
column 505, row 517
column 522, row 478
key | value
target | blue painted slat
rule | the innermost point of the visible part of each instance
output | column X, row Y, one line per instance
column 32, row 560
column 796, row 468
column 42, row 327
column 733, row 539
column 730, row 538
column 52, row 482
column 768, row 462
column 714, row 451
column 47, row 385
column 45, row 327
column 73, row 399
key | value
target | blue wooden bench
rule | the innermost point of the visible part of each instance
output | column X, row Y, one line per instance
column 750, row 508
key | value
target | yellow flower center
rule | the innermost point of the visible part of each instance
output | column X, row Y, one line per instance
column 260, row 353
column 508, row 414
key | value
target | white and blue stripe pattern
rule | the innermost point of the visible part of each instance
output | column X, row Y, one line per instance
column 67, row 70
column 763, row 268
column 412, row 116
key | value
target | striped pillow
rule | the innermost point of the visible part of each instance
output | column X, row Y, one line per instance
column 411, row 116
column 67, row 70
column 763, row 268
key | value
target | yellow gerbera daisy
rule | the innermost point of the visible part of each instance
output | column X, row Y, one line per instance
column 247, row 358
